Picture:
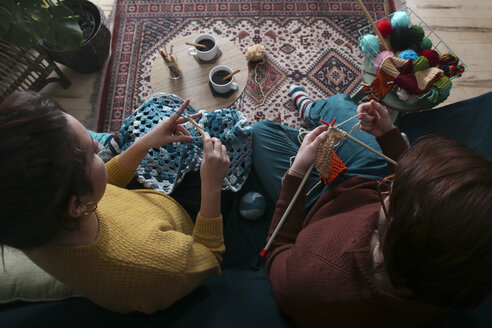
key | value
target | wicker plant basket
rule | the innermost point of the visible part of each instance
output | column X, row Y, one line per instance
column 94, row 51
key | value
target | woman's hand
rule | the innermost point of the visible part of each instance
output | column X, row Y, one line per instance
column 375, row 118
column 214, row 164
column 212, row 172
column 307, row 152
column 168, row 131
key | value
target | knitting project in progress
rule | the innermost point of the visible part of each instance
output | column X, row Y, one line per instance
column 164, row 168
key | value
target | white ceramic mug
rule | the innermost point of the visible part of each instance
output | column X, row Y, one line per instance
column 204, row 55
column 222, row 88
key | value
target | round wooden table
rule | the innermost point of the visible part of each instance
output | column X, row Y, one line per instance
column 194, row 82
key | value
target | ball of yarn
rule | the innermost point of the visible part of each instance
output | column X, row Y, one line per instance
column 255, row 53
column 418, row 33
column 426, row 43
column 431, row 55
column 401, row 38
column 408, row 54
column 384, row 27
column 400, row 18
column 252, row 205
column 369, row 44
column 380, row 57
column 420, row 64
column 448, row 58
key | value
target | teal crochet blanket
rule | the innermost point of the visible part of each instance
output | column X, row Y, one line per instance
column 165, row 167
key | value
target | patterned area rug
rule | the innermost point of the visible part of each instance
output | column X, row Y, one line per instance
column 309, row 43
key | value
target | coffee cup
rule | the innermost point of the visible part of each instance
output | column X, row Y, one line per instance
column 216, row 77
column 204, row 54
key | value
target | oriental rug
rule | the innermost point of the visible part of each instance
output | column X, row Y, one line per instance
column 310, row 43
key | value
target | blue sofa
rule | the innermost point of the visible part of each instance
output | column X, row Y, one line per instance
column 242, row 296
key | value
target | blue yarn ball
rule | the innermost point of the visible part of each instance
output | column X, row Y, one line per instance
column 400, row 18
column 252, row 206
column 369, row 44
column 408, row 54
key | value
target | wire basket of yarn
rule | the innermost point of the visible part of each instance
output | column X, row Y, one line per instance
column 408, row 37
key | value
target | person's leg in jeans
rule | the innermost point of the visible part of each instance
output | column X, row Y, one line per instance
column 359, row 160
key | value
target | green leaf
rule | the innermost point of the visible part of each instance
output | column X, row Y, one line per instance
column 9, row 5
column 65, row 34
column 5, row 20
column 61, row 11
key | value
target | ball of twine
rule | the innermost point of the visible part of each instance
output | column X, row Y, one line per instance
column 255, row 53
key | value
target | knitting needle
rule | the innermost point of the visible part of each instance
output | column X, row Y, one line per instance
column 389, row 160
column 291, row 204
column 196, row 44
column 386, row 11
column 231, row 74
column 374, row 27
column 287, row 211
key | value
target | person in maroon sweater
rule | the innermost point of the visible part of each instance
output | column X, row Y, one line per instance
column 374, row 254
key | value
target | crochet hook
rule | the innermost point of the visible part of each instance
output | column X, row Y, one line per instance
column 192, row 121
column 189, row 118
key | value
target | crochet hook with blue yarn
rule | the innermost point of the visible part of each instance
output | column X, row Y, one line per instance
column 192, row 121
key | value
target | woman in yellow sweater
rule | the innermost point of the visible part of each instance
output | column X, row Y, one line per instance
column 127, row 250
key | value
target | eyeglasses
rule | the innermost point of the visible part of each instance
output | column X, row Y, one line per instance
column 382, row 194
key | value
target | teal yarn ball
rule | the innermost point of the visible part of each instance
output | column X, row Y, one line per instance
column 369, row 44
column 252, row 205
column 400, row 18
column 425, row 44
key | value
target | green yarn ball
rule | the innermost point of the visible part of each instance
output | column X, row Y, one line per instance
column 426, row 43
column 418, row 33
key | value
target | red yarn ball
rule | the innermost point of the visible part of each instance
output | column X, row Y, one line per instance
column 384, row 27
column 432, row 56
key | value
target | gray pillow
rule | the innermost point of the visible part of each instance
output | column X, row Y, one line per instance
column 22, row 280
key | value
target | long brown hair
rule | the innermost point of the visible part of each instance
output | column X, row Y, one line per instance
column 439, row 240
column 42, row 166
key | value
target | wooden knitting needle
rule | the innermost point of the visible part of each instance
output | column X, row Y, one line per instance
column 386, row 10
column 291, row 204
column 287, row 211
column 389, row 160
column 196, row 45
column 374, row 27
column 231, row 74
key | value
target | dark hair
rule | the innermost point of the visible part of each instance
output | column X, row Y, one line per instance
column 42, row 167
column 439, row 239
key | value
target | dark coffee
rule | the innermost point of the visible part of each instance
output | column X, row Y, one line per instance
column 208, row 43
column 218, row 77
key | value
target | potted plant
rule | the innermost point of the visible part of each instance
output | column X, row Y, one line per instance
column 72, row 32
column 24, row 23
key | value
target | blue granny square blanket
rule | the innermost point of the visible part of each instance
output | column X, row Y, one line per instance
column 165, row 167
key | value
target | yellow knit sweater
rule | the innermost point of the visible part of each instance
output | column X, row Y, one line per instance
column 147, row 254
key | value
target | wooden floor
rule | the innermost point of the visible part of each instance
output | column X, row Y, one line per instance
column 465, row 26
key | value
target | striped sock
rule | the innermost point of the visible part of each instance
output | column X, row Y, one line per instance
column 301, row 99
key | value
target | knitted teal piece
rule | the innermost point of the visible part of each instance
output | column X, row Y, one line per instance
column 165, row 167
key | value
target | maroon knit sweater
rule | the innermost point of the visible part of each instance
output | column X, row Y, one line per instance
column 319, row 265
